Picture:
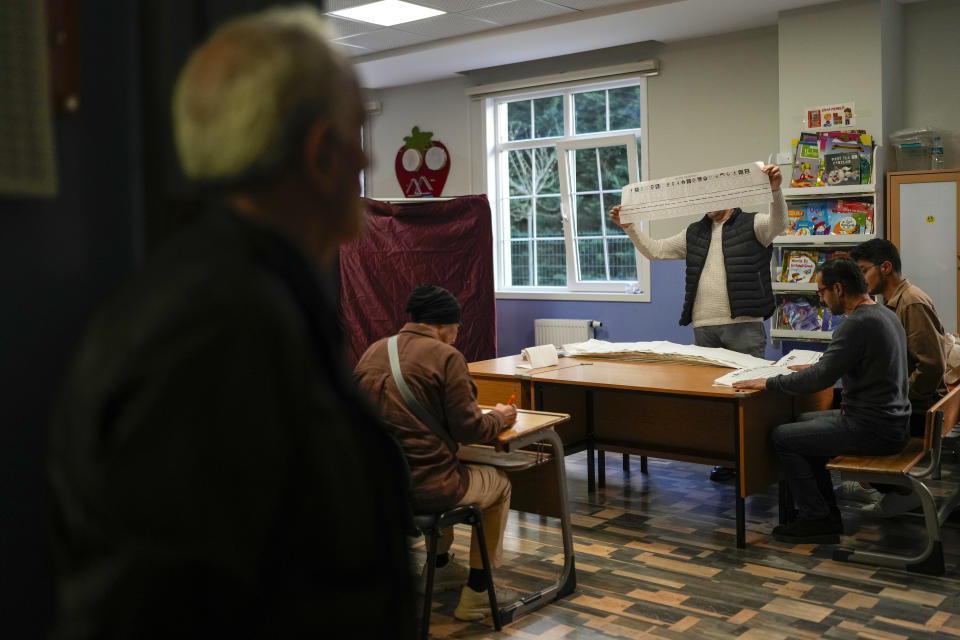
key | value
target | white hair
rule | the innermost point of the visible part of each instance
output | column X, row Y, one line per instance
column 245, row 97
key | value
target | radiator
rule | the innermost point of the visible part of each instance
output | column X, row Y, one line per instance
column 559, row 332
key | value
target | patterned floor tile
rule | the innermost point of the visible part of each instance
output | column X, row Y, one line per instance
column 656, row 559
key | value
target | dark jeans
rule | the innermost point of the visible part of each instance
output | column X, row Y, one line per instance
column 805, row 447
column 744, row 337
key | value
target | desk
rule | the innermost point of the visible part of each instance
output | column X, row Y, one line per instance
column 657, row 410
column 534, row 427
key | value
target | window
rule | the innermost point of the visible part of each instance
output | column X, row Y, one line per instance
column 558, row 161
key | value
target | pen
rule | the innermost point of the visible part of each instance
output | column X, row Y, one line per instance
column 513, row 397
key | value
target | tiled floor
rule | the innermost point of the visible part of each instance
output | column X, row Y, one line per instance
column 656, row 558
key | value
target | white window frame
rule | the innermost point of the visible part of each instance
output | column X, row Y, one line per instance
column 497, row 185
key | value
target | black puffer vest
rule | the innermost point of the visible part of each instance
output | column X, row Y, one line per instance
column 747, row 263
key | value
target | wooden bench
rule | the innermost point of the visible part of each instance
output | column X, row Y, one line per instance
column 903, row 470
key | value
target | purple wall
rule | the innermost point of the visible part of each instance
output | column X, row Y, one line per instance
column 622, row 321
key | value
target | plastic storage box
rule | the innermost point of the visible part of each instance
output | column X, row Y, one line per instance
column 913, row 148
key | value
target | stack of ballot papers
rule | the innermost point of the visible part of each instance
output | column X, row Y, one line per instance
column 794, row 358
column 663, row 352
column 798, row 357
column 751, row 373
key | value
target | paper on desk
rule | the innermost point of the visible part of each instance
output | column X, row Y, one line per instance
column 696, row 193
column 753, row 373
column 799, row 356
column 664, row 351
column 544, row 355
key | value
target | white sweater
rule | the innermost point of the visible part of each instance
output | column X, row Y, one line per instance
column 712, row 305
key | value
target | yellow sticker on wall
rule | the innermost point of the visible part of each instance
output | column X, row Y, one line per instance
column 931, row 219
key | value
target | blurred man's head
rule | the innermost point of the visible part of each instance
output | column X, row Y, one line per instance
column 879, row 261
column 429, row 304
column 268, row 110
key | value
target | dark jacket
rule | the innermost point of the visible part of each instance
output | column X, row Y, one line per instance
column 745, row 259
column 212, row 469
column 438, row 377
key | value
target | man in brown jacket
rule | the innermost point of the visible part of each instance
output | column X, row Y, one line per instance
column 437, row 376
column 879, row 261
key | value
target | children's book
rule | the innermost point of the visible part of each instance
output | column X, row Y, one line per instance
column 843, row 211
column 841, row 168
column 800, row 315
column 817, row 217
column 806, row 163
column 798, row 266
column 796, row 212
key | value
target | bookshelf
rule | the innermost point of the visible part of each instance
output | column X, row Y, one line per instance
column 785, row 291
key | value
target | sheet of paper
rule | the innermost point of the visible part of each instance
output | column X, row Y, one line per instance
column 753, row 373
column 544, row 355
column 696, row 193
column 799, row 356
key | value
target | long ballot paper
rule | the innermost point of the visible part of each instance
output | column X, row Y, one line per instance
column 696, row 193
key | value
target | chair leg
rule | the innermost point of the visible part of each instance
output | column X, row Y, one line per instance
column 433, row 540
column 626, row 464
column 643, row 464
column 485, row 559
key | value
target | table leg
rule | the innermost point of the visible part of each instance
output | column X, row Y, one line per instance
column 643, row 464
column 601, row 469
column 567, row 580
column 591, row 478
column 626, row 464
column 741, row 527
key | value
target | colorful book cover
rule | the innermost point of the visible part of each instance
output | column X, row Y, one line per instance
column 796, row 213
column 842, row 224
column 841, row 168
column 806, row 163
column 800, row 315
column 798, row 266
column 817, row 217
column 861, row 212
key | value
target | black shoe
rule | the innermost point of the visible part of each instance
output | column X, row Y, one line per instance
column 825, row 531
column 722, row 474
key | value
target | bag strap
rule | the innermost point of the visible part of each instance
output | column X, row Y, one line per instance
column 412, row 403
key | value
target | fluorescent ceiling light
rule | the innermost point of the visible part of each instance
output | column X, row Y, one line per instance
column 387, row 12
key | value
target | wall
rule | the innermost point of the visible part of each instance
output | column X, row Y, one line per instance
column 714, row 104
column 931, row 79
column 811, row 73
column 440, row 107
column 60, row 257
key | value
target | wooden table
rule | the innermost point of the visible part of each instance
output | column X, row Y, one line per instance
column 658, row 410
column 508, row 453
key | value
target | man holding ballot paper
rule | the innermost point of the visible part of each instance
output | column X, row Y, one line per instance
column 728, row 290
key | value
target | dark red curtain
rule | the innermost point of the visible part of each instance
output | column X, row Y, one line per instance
column 446, row 243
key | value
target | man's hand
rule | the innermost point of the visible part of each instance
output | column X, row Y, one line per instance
column 773, row 172
column 799, row 367
column 757, row 383
column 508, row 411
column 615, row 216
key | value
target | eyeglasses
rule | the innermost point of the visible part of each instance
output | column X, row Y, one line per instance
column 821, row 290
column 866, row 270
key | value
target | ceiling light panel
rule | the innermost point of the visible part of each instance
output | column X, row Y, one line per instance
column 387, row 12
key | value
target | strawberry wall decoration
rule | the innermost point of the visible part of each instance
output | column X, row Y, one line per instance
column 422, row 165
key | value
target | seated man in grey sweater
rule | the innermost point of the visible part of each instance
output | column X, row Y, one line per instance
column 869, row 353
